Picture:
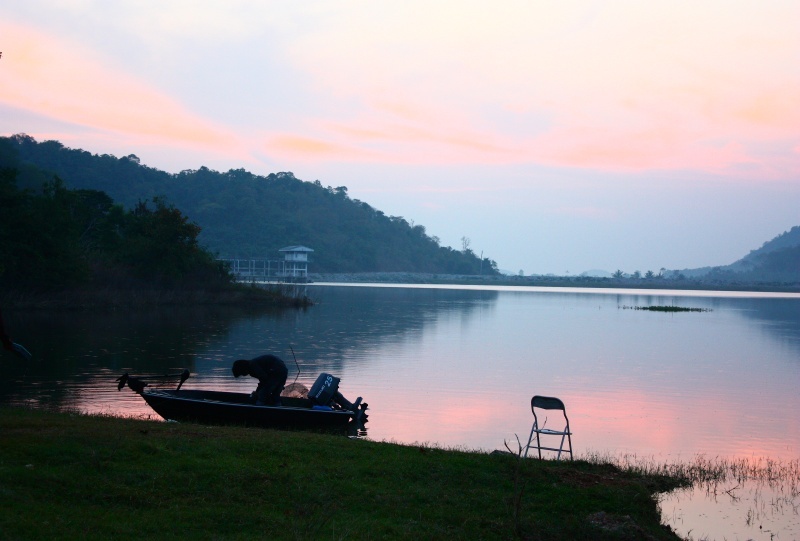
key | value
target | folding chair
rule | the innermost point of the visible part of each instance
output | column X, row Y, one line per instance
column 549, row 403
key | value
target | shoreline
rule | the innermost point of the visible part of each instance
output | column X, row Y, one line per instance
column 287, row 295
column 113, row 298
column 551, row 281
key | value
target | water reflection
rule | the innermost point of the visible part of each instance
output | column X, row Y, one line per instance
column 458, row 367
column 754, row 498
column 76, row 355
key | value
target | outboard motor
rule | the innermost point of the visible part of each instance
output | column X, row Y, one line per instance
column 325, row 395
column 324, row 388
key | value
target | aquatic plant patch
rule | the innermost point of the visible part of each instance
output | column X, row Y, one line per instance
column 666, row 308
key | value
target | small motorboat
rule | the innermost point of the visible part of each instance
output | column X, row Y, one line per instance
column 317, row 410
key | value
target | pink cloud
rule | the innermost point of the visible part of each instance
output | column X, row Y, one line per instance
column 300, row 145
column 61, row 80
column 624, row 87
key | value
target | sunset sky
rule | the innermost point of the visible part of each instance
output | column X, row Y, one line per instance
column 558, row 136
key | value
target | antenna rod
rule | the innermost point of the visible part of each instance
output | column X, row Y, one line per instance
column 296, row 363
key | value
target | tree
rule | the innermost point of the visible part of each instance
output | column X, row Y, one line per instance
column 42, row 235
column 61, row 238
column 246, row 215
column 161, row 243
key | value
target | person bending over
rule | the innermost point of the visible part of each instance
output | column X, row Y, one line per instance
column 271, row 373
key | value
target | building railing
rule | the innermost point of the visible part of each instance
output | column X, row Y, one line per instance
column 279, row 270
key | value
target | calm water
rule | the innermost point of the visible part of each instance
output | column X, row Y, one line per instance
column 457, row 367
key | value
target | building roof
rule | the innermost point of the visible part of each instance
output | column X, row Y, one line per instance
column 296, row 249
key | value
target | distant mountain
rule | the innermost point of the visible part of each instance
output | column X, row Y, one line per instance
column 788, row 240
column 778, row 260
column 243, row 215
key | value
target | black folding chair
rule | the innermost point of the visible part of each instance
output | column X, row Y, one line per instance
column 543, row 404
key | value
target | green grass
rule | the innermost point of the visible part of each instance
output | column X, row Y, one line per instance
column 71, row 476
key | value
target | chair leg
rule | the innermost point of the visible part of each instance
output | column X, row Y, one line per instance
column 569, row 439
column 530, row 438
column 561, row 447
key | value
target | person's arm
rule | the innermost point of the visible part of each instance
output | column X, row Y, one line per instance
column 7, row 343
column 19, row 349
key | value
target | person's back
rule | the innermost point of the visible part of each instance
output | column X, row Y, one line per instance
column 265, row 366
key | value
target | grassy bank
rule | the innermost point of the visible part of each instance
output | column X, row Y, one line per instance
column 69, row 476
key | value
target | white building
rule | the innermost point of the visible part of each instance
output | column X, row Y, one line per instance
column 295, row 261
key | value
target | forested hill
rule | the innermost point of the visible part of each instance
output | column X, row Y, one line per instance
column 778, row 260
column 252, row 216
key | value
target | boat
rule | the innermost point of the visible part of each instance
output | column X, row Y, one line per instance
column 221, row 407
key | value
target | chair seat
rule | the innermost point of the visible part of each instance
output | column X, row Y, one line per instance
column 554, row 432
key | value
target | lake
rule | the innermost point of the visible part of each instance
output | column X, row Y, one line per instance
column 456, row 366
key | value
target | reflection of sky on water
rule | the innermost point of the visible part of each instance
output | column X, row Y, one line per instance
column 634, row 381
column 751, row 510
column 458, row 367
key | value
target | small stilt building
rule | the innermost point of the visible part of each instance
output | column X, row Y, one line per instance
column 292, row 268
column 295, row 262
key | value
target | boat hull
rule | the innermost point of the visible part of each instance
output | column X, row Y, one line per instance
column 216, row 407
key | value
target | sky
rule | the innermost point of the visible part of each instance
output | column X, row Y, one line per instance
column 554, row 136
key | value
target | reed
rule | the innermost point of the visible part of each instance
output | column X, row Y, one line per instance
column 768, row 488
column 702, row 469
column 782, row 475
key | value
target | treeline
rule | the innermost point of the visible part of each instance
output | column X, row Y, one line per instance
column 252, row 216
column 57, row 238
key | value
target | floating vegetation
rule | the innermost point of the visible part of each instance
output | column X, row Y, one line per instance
column 666, row 308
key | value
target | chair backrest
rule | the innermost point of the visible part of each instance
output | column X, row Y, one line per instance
column 547, row 403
